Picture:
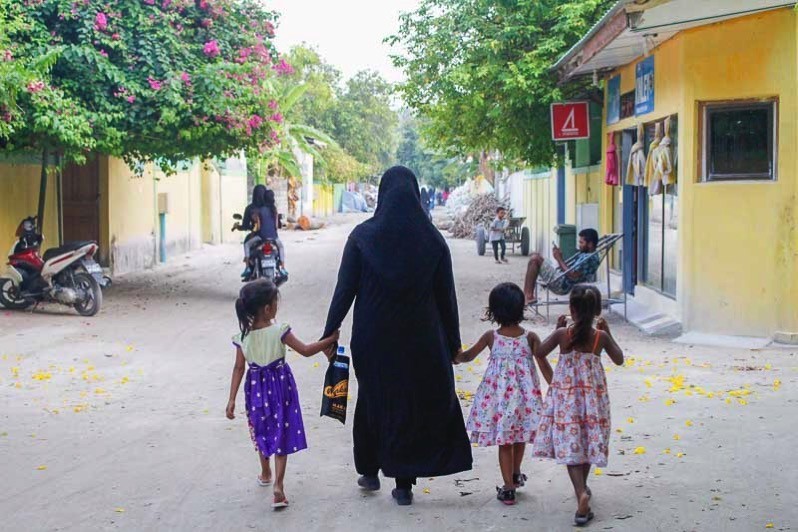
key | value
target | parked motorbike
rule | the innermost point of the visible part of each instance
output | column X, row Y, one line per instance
column 264, row 258
column 67, row 275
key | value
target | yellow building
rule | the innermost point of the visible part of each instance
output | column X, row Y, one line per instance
column 138, row 220
column 716, row 249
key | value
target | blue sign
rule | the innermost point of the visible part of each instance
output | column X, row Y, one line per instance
column 614, row 100
column 644, row 86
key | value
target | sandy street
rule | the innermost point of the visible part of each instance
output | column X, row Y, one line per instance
column 117, row 422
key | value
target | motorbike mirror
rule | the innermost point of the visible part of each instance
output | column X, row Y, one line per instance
column 237, row 217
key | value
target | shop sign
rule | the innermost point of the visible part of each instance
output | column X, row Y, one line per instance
column 570, row 121
column 614, row 100
column 644, row 86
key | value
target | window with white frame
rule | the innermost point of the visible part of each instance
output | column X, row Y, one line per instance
column 740, row 141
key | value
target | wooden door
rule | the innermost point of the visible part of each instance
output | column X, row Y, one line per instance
column 80, row 187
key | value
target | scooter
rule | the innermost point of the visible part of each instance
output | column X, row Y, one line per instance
column 67, row 275
column 264, row 258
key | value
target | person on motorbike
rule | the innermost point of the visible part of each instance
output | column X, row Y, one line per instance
column 268, row 224
column 249, row 221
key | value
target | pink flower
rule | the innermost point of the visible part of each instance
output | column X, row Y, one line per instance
column 270, row 29
column 101, row 22
column 211, row 48
column 274, row 136
column 116, row 36
column 186, row 78
column 283, row 68
column 273, row 104
column 131, row 99
column 103, row 53
column 35, row 86
column 255, row 121
column 149, row 2
column 166, row 4
column 276, row 117
column 204, row 5
column 155, row 84
column 7, row 56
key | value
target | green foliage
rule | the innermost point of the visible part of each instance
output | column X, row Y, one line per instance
column 146, row 80
column 478, row 71
column 365, row 124
column 431, row 167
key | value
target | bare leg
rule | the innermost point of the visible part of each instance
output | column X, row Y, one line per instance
column 586, row 474
column 506, row 465
column 280, row 463
column 577, row 474
column 518, row 457
column 531, row 279
column 265, row 468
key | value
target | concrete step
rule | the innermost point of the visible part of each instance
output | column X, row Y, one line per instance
column 647, row 320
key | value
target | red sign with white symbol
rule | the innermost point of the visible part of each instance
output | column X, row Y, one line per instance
column 570, row 121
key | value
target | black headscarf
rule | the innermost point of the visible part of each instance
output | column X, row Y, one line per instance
column 400, row 242
column 259, row 195
column 258, row 201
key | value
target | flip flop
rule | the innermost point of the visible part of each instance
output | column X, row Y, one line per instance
column 263, row 483
column 582, row 520
column 280, row 504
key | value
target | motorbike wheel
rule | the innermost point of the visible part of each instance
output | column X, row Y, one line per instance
column 90, row 306
column 9, row 297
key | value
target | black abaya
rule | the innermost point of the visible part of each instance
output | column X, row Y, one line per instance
column 398, row 271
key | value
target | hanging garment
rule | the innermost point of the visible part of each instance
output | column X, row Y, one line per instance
column 636, row 169
column 667, row 157
column 612, row 162
column 652, row 149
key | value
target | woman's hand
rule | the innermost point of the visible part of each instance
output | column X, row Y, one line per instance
column 602, row 325
column 562, row 322
column 230, row 411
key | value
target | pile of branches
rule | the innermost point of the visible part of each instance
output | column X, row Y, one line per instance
column 481, row 211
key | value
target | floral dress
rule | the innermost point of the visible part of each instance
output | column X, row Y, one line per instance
column 575, row 425
column 508, row 402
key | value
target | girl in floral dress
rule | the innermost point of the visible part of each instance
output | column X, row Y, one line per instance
column 271, row 397
column 508, row 402
column 574, row 428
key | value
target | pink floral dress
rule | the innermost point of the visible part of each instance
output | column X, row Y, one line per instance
column 508, row 402
column 575, row 425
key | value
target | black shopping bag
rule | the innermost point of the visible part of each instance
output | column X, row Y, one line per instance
column 336, row 387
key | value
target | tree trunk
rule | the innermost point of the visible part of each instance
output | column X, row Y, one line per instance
column 42, row 191
column 485, row 168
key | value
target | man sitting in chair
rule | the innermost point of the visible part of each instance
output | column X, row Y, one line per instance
column 584, row 265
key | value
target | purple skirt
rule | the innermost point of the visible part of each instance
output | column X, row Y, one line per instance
column 273, row 410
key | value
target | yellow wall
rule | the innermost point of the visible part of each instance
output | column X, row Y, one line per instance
column 737, row 243
column 129, row 224
column 323, row 204
column 19, row 198
column 540, row 206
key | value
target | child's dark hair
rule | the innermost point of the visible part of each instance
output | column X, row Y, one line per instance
column 500, row 209
column 253, row 297
column 585, row 304
column 506, row 305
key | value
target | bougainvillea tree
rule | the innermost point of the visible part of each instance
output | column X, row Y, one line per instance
column 149, row 80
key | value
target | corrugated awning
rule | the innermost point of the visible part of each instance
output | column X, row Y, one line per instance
column 634, row 27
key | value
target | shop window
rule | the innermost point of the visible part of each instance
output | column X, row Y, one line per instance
column 739, row 141
column 660, row 226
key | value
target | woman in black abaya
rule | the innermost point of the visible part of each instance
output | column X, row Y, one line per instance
column 397, row 270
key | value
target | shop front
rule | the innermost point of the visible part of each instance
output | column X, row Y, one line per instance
column 700, row 124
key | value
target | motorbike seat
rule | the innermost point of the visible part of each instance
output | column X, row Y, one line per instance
column 66, row 248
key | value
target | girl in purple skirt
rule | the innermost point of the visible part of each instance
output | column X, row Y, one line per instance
column 270, row 392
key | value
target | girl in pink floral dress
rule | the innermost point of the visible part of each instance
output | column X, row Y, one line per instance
column 574, row 428
column 508, row 402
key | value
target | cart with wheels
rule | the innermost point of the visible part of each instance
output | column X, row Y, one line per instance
column 515, row 235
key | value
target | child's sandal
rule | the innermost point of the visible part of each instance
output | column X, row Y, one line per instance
column 519, row 479
column 505, row 496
